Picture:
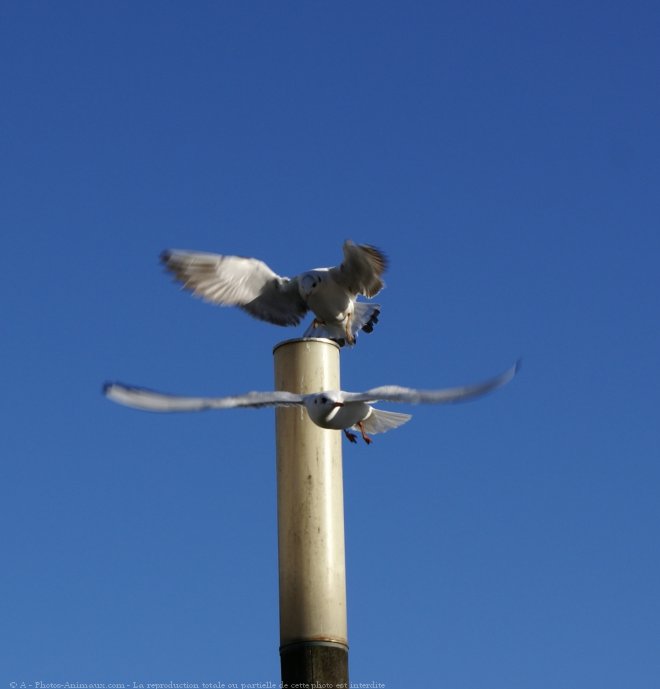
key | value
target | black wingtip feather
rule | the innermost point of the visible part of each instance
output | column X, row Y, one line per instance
column 368, row 327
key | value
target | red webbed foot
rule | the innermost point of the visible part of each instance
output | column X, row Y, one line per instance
column 365, row 437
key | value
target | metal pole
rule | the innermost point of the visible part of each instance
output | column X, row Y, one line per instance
column 310, row 517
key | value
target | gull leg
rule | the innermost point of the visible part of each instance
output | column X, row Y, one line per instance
column 365, row 437
column 351, row 436
column 347, row 329
column 312, row 327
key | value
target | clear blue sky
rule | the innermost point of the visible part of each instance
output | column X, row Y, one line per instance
column 506, row 156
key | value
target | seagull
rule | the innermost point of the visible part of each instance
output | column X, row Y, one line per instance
column 332, row 409
column 251, row 285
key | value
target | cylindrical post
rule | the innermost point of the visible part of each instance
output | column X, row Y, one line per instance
column 310, row 515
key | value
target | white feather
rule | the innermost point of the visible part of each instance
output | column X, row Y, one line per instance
column 149, row 400
column 329, row 409
column 380, row 421
column 252, row 286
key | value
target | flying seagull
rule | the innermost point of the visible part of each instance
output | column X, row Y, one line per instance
column 337, row 410
column 330, row 293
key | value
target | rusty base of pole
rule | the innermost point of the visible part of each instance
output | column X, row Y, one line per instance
column 310, row 664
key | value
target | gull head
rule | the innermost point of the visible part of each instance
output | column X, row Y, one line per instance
column 308, row 282
column 323, row 406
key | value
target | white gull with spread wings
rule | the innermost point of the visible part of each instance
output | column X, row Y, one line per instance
column 337, row 410
column 330, row 293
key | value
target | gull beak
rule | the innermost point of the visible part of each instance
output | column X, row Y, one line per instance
column 338, row 404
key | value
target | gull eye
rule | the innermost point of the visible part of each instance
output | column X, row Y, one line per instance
column 324, row 400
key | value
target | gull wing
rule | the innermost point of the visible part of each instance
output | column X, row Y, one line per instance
column 380, row 421
column 361, row 270
column 394, row 393
column 149, row 400
column 236, row 281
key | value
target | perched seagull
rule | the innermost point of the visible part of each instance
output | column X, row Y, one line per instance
column 251, row 285
column 337, row 410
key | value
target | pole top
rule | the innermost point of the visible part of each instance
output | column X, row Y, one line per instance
column 305, row 339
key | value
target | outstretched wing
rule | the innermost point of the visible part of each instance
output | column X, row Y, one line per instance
column 394, row 393
column 149, row 400
column 236, row 281
column 361, row 270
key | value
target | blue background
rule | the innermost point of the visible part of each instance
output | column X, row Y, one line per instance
column 506, row 156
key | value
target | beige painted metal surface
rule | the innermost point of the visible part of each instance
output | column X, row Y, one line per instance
column 310, row 501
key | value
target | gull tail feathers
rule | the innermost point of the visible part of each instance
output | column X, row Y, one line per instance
column 331, row 332
column 380, row 421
